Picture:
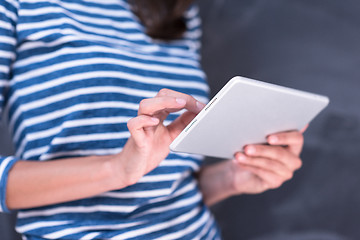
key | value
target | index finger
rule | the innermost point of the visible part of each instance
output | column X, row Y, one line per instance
column 191, row 105
column 153, row 106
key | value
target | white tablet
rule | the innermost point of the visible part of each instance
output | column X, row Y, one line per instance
column 243, row 112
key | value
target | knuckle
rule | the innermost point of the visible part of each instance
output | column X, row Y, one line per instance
column 163, row 92
column 143, row 103
column 259, row 150
column 281, row 138
column 298, row 164
column 131, row 123
column 266, row 186
column 144, row 106
column 290, row 175
column 277, row 184
column 279, row 153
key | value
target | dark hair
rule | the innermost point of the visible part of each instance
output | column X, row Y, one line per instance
column 163, row 19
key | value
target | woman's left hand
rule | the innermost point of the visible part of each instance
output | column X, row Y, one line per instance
column 263, row 167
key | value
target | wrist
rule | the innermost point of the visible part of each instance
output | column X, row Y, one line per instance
column 115, row 172
column 107, row 172
column 122, row 176
column 216, row 182
column 235, row 187
column 229, row 183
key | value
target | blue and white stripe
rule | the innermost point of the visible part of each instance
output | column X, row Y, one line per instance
column 72, row 73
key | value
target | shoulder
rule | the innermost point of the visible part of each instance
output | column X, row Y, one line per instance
column 9, row 8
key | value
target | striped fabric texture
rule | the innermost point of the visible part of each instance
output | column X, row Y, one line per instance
column 72, row 73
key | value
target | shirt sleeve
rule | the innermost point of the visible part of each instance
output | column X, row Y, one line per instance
column 6, row 164
column 8, row 19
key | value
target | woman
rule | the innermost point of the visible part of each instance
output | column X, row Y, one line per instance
column 94, row 92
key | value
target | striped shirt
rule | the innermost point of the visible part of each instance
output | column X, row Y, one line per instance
column 72, row 73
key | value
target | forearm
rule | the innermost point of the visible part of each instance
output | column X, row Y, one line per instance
column 34, row 184
column 215, row 182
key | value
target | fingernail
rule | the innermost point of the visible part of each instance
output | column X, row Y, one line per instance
column 180, row 101
column 250, row 150
column 200, row 105
column 241, row 157
column 273, row 139
column 155, row 120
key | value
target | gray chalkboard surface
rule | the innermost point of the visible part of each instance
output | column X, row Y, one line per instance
column 310, row 45
column 305, row 44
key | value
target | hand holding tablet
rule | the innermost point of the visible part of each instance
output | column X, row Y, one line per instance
column 246, row 111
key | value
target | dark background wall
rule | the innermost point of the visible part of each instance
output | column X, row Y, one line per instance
column 312, row 45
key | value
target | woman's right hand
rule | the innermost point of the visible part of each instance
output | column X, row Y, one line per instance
column 149, row 142
column 63, row 180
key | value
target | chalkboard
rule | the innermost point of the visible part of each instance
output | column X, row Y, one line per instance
column 309, row 45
